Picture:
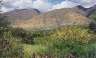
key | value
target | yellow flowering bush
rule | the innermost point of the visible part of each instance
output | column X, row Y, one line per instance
column 73, row 33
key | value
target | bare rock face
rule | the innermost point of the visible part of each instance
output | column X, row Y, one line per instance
column 23, row 14
column 33, row 19
column 56, row 18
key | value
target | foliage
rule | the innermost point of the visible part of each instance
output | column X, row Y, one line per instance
column 62, row 41
column 66, row 40
column 4, row 22
column 93, row 16
column 9, row 46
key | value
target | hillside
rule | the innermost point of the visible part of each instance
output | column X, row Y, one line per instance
column 55, row 18
column 21, row 14
column 67, row 36
column 33, row 19
column 88, row 11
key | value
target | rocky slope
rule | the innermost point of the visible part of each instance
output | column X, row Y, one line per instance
column 22, row 14
column 52, row 19
column 88, row 11
column 55, row 18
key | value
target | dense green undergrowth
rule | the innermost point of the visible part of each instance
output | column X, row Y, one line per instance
column 93, row 16
column 62, row 41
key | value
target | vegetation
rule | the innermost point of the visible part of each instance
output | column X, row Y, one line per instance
column 67, row 41
column 9, row 46
column 93, row 16
column 62, row 42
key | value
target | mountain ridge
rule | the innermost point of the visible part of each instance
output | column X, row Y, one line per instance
column 51, row 19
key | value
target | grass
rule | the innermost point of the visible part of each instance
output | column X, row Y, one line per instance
column 67, row 40
column 61, row 41
column 30, row 49
column 64, row 41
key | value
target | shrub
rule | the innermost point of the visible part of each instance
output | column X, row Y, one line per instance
column 75, row 34
column 4, row 23
column 9, row 46
column 93, row 16
column 67, row 40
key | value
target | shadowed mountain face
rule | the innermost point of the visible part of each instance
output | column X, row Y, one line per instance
column 55, row 18
column 88, row 11
column 23, row 14
column 32, row 19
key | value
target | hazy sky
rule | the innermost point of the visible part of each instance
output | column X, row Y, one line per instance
column 44, row 5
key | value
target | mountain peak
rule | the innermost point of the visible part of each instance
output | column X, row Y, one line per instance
column 32, row 18
column 88, row 11
column 22, row 14
column 55, row 18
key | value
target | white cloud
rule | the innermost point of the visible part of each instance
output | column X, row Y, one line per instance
column 64, row 4
column 6, row 9
column 89, row 3
column 41, row 5
column 85, row 3
column 44, row 5
column 18, row 3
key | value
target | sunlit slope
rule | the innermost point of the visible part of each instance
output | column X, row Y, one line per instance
column 35, row 20
column 22, row 14
column 55, row 18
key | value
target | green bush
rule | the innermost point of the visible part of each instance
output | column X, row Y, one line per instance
column 9, row 45
column 93, row 15
column 67, row 40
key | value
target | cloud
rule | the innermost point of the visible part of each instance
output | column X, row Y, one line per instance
column 5, row 9
column 64, row 4
column 85, row 3
column 45, row 5
column 18, row 3
column 41, row 5
column 73, row 3
column 89, row 3
column 55, row 1
column 9, row 5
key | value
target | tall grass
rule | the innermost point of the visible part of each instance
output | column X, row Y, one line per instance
column 60, row 42
column 67, row 40
column 9, row 45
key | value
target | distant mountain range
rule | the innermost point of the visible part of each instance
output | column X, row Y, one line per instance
column 33, row 18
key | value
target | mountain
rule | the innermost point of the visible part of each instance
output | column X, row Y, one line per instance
column 33, row 19
column 88, row 11
column 21, row 14
column 55, row 18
